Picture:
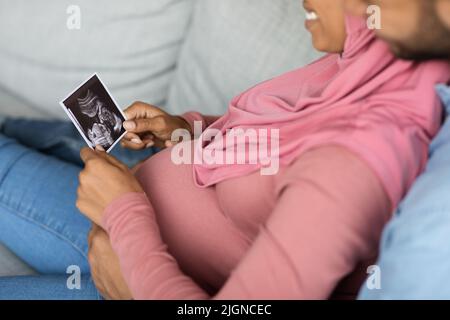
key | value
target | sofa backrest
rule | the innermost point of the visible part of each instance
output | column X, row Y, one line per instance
column 132, row 44
column 234, row 44
column 135, row 47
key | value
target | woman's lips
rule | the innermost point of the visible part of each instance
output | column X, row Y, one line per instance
column 310, row 16
column 311, row 19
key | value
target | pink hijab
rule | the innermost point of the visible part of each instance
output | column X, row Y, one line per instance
column 383, row 109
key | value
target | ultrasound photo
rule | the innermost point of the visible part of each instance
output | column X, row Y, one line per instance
column 95, row 114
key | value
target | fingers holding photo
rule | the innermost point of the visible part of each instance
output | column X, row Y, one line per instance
column 141, row 110
column 135, row 142
column 146, row 133
column 88, row 154
column 149, row 126
column 144, row 122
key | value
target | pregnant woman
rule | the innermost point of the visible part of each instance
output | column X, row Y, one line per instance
column 353, row 134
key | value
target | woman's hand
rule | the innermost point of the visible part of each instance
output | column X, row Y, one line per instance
column 149, row 126
column 105, row 267
column 103, row 180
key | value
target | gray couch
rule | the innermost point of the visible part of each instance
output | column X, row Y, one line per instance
column 178, row 54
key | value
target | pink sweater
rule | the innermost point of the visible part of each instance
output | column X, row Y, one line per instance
column 304, row 233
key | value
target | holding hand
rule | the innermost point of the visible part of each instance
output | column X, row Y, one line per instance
column 103, row 180
column 149, row 126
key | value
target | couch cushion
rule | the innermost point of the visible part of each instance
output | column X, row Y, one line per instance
column 235, row 44
column 132, row 44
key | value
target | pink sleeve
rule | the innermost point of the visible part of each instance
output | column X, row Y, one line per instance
column 329, row 214
column 193, row 116
column 149, row 270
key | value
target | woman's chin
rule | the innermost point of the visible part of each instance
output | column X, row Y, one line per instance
column 318, row 40
column 325, row 45
column 319, row 45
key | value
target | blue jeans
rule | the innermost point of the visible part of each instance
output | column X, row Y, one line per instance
column 39, row 167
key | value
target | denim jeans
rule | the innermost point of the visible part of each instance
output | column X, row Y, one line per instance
column 60, row 139
column 39, row 222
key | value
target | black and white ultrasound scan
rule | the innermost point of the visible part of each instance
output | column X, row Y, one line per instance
column 96, row 115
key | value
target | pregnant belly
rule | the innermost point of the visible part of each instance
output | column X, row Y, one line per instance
column 206, row 244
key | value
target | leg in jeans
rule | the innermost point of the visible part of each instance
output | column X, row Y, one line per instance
column 46, row 288
column 38, row 218
column 40, row 223
column 61, row 139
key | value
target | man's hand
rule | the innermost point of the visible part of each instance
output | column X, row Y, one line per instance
column 149, row 126
column 105, row 267
column 103, row 180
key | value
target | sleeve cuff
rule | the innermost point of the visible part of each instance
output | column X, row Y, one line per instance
column 193, row 116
